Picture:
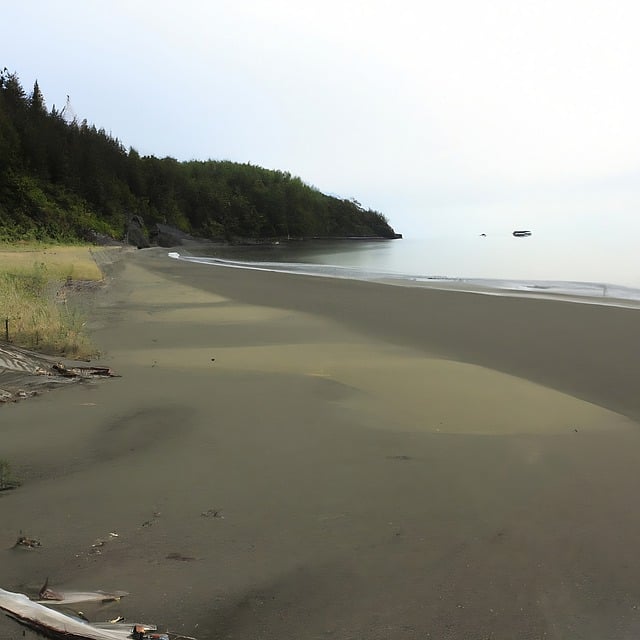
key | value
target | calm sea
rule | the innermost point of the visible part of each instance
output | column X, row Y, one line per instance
column 578, row 263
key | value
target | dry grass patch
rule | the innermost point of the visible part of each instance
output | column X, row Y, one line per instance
column 60, row 262
column 38, row 316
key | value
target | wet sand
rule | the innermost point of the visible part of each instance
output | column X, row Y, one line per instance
column 298, row 457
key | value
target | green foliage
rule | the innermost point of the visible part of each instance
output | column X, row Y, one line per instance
column 61, row 181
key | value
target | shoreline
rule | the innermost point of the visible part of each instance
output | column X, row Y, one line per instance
column 504, row 332
column 566, row 291
column 293, row 457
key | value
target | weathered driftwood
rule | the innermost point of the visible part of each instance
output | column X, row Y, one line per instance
column 24, row 373
column 59, row 625
column 49, row 596
column 17, row 360
column 82, row 372
column 14, row 358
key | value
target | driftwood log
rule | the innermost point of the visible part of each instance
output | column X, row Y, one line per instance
column 56, row 625
column 24, row 372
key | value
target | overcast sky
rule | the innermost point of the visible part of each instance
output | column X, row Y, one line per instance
column 500, row 112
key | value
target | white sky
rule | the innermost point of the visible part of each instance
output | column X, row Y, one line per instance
column 437, row 113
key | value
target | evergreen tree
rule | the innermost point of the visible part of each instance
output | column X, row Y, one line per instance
column 37, row 101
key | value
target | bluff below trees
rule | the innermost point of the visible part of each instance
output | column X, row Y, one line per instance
column 65, row 180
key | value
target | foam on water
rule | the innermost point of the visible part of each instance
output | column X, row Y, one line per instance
column 584, row 292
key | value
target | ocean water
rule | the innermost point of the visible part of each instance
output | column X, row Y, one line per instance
column 585, row 265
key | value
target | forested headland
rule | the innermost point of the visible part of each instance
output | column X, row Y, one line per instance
column 64, row 180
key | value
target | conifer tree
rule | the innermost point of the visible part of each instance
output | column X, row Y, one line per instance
column 36, row 100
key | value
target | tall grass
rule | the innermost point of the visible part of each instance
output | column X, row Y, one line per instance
column 38, row 317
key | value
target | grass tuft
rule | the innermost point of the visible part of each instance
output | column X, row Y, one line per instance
column 7, row 479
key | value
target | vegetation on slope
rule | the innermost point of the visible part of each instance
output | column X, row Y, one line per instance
column 65, row 180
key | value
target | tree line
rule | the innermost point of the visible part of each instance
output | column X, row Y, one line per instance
column 61, row 179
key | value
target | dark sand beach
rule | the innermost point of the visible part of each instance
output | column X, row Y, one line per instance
column 297, row 457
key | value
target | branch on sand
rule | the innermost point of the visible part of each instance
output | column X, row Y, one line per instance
column 55, row 624
column 24, row 372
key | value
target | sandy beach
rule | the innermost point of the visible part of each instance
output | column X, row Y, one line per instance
column 299, row 457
